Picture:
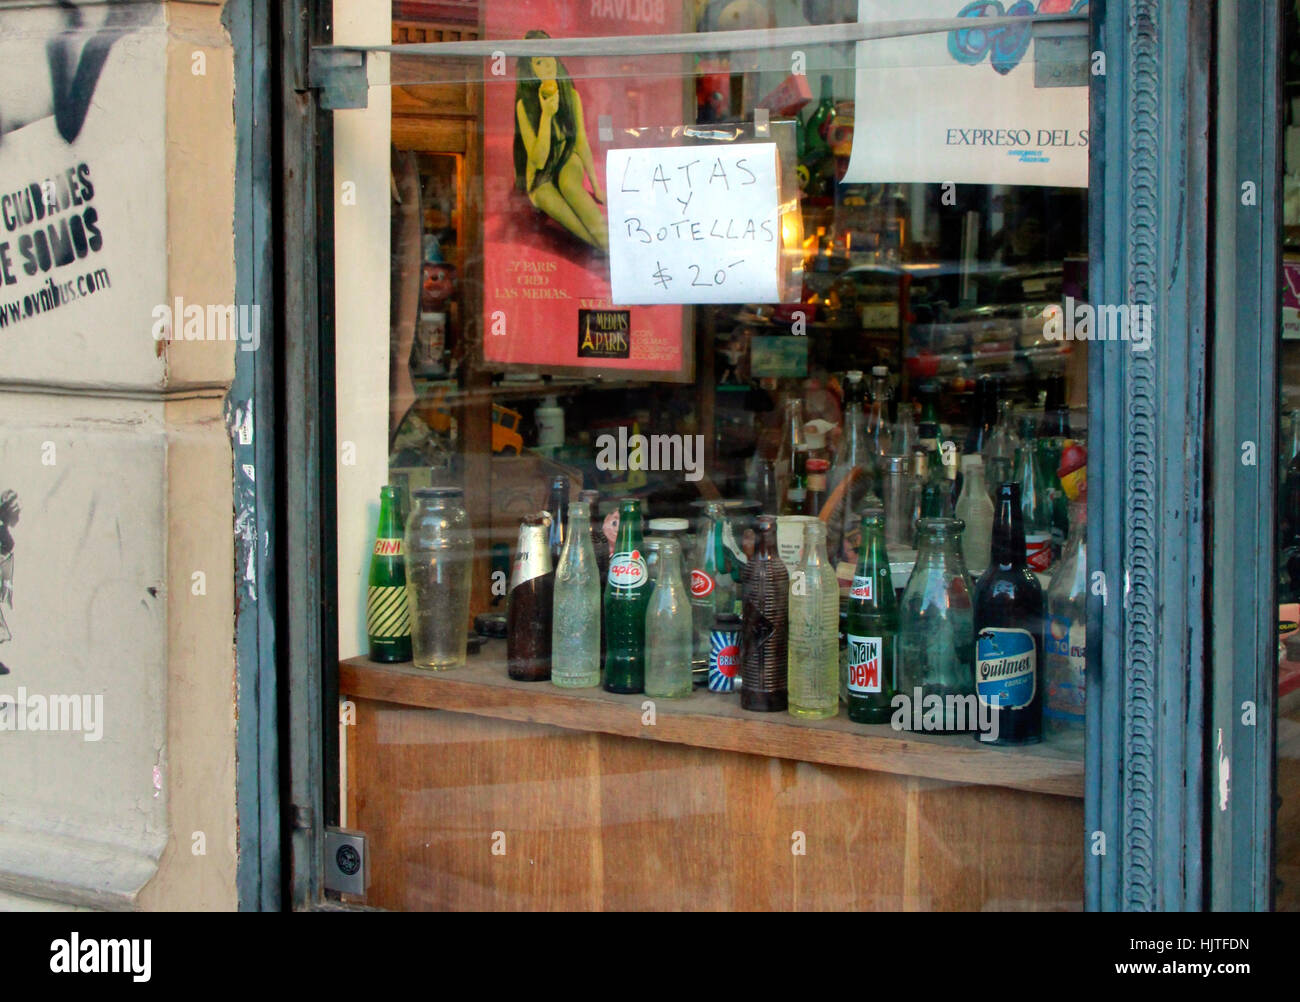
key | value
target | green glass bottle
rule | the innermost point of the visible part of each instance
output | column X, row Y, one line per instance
column 388, row 618
column 872, row 630
column 627, row 596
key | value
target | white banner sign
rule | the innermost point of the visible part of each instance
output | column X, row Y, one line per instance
column 961, row 106
column 693, row 224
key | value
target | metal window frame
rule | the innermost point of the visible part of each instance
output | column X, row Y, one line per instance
column 1244, row 385
column 1155, row 670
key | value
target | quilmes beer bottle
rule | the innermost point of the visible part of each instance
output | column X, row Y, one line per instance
column 1008, row 633
column 872, row 630
column 627, row 595
column 388, row 619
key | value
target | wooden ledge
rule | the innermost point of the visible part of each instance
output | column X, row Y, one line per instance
column 713, row 720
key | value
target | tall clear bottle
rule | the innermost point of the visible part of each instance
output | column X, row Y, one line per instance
column 871, row 652
column 713, row 590
column 853, row 454
column 789, row 469
column 976, row 510
column 1065, row 638
column 765, row 625
column 668, row 673
column 878, row 419
column 1001, row 448
column 813, row 649
column 905, row 440
column 557, row 502
column 936, row 634
column 1035, row 505
column 575, row 630
column 599, row 545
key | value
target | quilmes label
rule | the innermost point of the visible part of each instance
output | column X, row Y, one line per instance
column 389, row 548
column 1006, row 667
column 865, row 667
column 862, row 588
column 627, row 571
column 701, row 583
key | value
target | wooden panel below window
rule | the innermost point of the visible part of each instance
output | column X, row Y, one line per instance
column 598, row 821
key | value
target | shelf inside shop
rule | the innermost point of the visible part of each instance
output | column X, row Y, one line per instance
column 524, row 389
column 713, row 720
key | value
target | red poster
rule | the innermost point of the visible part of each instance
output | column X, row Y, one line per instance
column 546, row 267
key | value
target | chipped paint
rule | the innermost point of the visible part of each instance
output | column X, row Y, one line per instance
column 1225, row 773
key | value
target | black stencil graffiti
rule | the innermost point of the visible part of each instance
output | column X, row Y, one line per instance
column 75, row 74
column 9, row 512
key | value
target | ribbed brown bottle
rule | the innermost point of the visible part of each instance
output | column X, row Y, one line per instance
column 766, row 624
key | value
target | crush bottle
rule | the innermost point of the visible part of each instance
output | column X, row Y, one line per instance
column 1009, row 633
column 388, row 618
column 627, row 596
column 872, row 630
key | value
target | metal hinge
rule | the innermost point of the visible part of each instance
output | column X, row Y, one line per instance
column 340, row 76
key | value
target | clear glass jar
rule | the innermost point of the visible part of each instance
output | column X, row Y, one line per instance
column 936, row 649
column 439, row 561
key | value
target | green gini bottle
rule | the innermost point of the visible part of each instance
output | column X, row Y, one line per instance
column 872, row 629
column 388, row 618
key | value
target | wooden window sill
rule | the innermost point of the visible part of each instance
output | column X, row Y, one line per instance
column 714, row 720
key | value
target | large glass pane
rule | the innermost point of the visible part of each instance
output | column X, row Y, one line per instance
column 735, row 418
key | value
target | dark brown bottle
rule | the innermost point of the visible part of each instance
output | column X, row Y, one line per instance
column 558, row 506
column 765, row 628
column 599, row 543
column 1009, row 633
column 528, row 621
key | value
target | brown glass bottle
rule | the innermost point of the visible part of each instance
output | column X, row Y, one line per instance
column 766, row 625
column 528, row 621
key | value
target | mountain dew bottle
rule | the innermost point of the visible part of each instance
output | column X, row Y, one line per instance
column 872, row 631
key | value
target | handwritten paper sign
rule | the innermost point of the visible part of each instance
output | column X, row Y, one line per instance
column 694, row 224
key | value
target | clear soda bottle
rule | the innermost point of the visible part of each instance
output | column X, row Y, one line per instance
column 668, row 629
column 813, row 661
column 1065, row 637
column 713, row 590
column 575, row 629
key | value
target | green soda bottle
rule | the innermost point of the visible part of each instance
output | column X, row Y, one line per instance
column 388, row 618
column 627, row 596
column 872, row 630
